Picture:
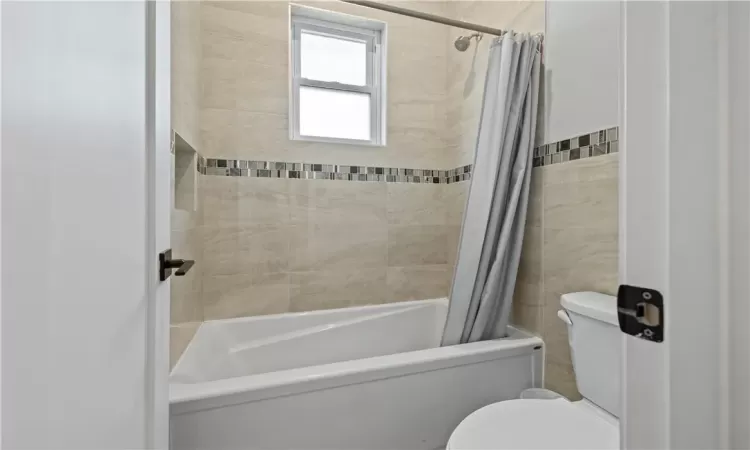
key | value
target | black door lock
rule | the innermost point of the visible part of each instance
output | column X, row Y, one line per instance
column 640, row 312
column 166, row 264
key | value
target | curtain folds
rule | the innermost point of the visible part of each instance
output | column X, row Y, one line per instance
column 492, row 231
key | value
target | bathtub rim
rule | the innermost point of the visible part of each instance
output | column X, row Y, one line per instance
column 363, row 310
column 339, row 318
column 441, row 301
column 187, row 398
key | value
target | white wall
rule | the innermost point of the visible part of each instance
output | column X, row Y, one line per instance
column 736, row 232
column 582, row 60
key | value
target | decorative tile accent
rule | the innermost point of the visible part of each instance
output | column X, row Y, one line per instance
column 309, row 171
column 598, row 143
column 201, row 164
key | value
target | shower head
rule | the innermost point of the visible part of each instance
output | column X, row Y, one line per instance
column 463, row 42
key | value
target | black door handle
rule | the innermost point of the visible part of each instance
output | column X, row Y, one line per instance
column 166, row 264
column 182, row 266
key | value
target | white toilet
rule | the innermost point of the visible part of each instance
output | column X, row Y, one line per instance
column 591, row 423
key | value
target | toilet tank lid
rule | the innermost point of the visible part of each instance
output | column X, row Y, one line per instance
column 592, row 304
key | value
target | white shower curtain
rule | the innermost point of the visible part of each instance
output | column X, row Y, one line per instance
column 492, row 231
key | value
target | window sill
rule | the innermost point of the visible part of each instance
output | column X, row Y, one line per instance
column 326, row 140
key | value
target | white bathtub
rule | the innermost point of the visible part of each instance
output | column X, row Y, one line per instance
column 370, row 377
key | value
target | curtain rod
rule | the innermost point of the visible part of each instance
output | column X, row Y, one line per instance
column 426, row 16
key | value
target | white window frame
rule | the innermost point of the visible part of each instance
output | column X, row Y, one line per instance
column 340, row 26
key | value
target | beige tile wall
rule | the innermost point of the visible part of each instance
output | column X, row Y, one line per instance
column 570, row 245
column 186, row 309
column 186, row 243
column 295, row 245
column 245, row 87
column 186, row 215
column 275, row 245
column 186, row 66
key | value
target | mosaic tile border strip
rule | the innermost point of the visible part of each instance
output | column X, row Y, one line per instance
column 598, row 143
column 309, row 171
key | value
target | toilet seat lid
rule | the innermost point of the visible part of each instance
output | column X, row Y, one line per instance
column 533, row 424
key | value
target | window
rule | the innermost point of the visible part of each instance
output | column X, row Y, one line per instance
column 337, row 86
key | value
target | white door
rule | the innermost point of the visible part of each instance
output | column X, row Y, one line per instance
column 85, row 211
column 685, row 221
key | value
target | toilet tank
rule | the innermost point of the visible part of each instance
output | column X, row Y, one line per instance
column 595, row 345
